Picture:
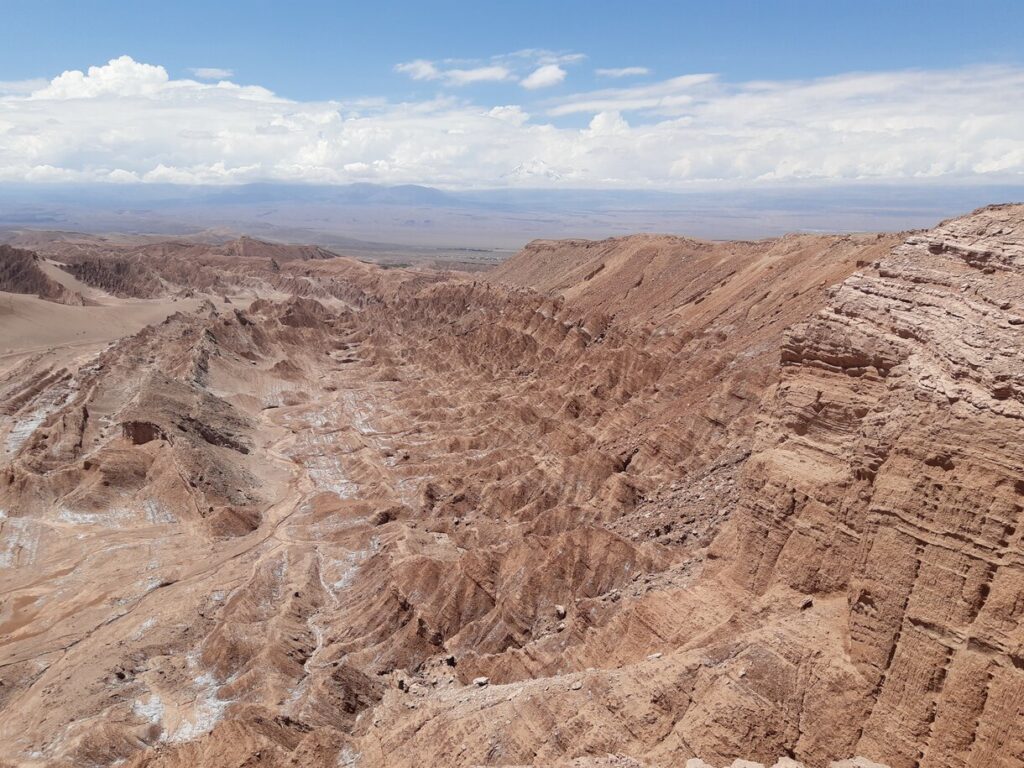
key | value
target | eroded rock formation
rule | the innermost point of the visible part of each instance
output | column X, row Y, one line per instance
column 20, row 272
column 623, row 503
column 889, row 476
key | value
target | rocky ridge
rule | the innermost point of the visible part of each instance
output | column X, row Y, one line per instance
column 20, row 273
column 650, row 498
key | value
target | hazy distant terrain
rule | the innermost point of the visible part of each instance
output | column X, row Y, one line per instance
column 393, row 224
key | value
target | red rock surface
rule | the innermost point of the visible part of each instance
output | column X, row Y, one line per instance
column 20, row 272
column 625, row 503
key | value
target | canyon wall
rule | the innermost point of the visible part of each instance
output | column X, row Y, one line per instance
column 650, row 498
column 888, row 473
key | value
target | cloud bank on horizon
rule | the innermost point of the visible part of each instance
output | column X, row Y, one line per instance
column 129, row 121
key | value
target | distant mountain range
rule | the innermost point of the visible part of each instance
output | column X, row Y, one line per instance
column 409, row 216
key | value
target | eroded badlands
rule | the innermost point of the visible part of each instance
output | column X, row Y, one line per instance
column 630, row 502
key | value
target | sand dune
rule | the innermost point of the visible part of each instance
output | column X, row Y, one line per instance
column 31, row 326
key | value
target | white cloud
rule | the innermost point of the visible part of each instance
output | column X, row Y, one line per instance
column 608, row 123
column 668, row 96
column 511, row 113
column 130, row 122
column 477, row 75
column 121, row 176
column 421, row 69
column 533, row 67
column 119, row 77
column 544, row 77
column 212, row 73
column 623, row 72
column 21, row 86
column 540, row 56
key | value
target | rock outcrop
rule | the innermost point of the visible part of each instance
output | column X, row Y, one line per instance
column 20, row 273
column 888, row 473
column 634, row 502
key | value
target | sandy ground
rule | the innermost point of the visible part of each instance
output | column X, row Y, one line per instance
column 30, row 325
column 52, row 269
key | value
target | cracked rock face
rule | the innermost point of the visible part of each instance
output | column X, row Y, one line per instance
column 888, row 475
column 629, row 503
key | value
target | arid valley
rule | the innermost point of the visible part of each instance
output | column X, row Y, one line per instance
column 627, row 502
column 449, row 384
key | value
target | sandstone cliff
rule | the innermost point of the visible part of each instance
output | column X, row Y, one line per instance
column 888, row 476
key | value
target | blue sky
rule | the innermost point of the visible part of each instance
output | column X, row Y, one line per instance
column 650, row 94
column 324, row 50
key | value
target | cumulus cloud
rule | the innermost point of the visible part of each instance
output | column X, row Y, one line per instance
column 608, row 123
column 120, row 77
column 544, row 77
column 623, row 72
column 128, row 121
column 512, row 113
column 212, row 73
